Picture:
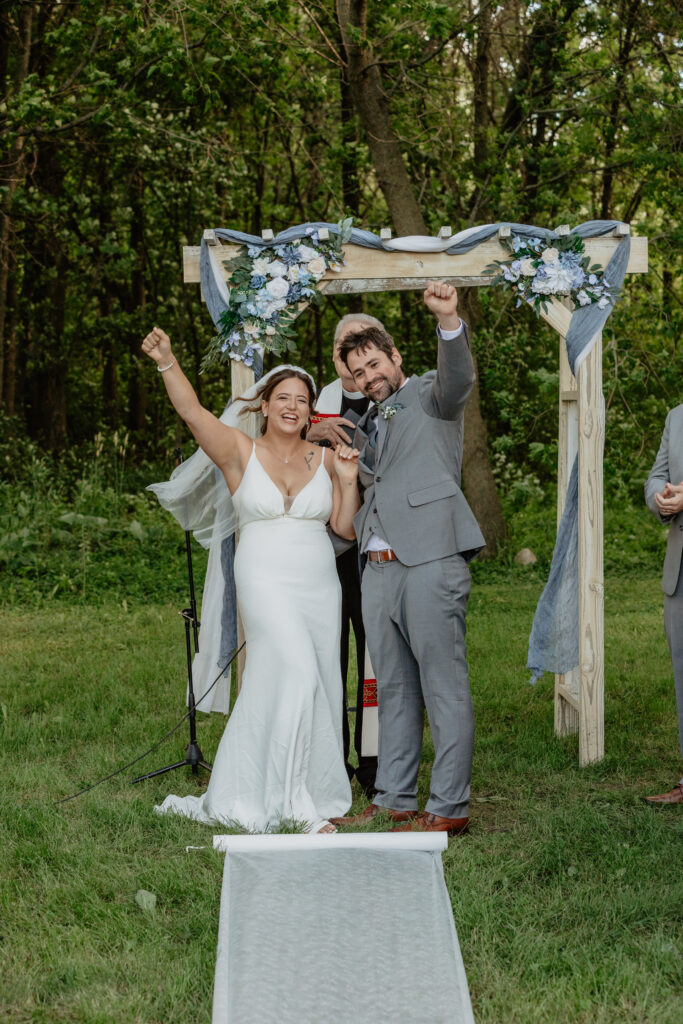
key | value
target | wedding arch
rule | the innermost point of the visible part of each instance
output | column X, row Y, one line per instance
column 569, row 621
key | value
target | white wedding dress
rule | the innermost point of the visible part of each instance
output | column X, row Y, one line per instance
column 280, row 757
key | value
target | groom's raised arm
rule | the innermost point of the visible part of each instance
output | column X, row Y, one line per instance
column 446, row 396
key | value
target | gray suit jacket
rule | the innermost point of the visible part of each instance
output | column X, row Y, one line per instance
column 411, row 479
column 668, row 468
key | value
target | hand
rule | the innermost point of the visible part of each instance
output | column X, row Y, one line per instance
column 670, row 500
column 346, row 463
column 157, row 345
column 330, row 429
column 442, row 300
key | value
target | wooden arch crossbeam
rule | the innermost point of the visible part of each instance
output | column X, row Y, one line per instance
column 579, row 695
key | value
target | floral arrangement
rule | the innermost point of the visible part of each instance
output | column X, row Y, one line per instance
column 386, row 411
column 267, row 285
column 536, row 271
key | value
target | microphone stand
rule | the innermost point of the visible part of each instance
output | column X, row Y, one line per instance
column 193, row 755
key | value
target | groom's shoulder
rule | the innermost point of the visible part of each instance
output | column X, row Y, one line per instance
column 674, row 418
column 425, row 382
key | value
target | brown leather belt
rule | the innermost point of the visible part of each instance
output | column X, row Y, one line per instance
column 383, row 556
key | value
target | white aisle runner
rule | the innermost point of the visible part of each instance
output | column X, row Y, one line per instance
column 337, row 929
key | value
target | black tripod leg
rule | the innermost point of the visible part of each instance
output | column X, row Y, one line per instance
column 161, row 771
column 193, row 755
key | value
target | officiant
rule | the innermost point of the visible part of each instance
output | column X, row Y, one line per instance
column 337, row 411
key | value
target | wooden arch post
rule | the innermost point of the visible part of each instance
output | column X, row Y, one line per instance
column 579, row 695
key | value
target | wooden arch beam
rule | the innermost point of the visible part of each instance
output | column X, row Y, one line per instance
column 579, row 695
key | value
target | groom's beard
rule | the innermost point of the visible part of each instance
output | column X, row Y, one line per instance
column 383, row 386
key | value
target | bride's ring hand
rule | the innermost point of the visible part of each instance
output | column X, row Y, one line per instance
column 346, row 462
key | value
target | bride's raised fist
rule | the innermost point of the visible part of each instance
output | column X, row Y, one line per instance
column 157, row 345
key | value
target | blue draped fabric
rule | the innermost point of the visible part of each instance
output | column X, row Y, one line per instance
column 554, row 639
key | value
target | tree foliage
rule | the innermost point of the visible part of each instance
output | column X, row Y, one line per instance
column 128, row 128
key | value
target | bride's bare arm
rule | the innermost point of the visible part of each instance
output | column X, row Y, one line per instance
column 345, row 496
column 227, row 447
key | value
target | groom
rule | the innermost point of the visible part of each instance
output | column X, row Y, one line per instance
column 417, row 533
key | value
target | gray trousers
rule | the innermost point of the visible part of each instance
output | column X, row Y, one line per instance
column 673, row 624
column 415, row 629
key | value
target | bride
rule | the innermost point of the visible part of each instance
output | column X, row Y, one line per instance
column 280, row 757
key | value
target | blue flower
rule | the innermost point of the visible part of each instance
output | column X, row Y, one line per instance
column 592, row 279
column 294, row 294
column 290, row 256
column 257, row 281
column 254, row 251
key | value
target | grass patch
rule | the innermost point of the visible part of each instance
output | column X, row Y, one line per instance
column 565, row 895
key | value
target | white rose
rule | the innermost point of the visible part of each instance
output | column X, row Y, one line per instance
column 293, row 274
column 317, row 267
column 276, row 268
column 251, row 328
column 559, row 280
column 542, row 286
column 260, row 266
column 528, row 268
column 549, row 255
column 277, row 287
column 307, row 253
column 275, row 306
column 270, row 331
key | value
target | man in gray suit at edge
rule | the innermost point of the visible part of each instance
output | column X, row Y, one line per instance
column 417, row 534
column 665, row 499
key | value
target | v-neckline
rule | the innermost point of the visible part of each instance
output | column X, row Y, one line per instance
column 292, row 497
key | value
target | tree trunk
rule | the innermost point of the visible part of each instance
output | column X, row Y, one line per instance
column 372, row 106
column 615, row 120
column 137, row 391
column 9, row 390
column 110, row 387
column 477, row 477
column 349, row 172
column 13, row 174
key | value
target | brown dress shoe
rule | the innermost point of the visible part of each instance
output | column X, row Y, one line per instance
column 674, row 796
column 428, row 822
column 370, row 812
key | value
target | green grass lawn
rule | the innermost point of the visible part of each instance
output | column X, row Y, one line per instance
column 566, row 895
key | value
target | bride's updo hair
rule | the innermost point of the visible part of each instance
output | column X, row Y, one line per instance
column 263, row 395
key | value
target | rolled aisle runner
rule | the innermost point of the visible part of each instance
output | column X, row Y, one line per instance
column 300, row 941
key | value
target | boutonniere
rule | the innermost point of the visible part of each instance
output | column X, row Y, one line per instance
column 386, row 411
